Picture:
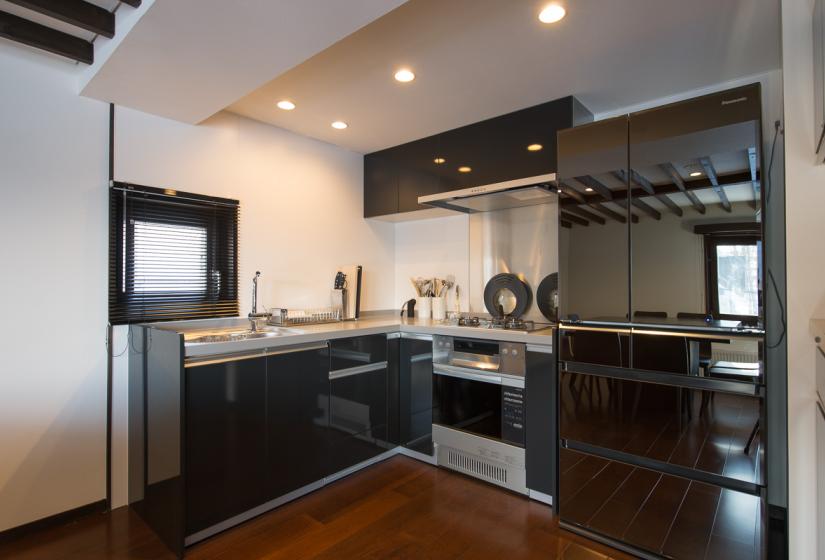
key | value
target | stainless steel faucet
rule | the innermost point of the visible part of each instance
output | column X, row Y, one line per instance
column 254, row 315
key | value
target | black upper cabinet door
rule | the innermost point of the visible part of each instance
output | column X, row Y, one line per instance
column 512, row 146
column 298, row 419
column 697, row 247
column 225, row 440
column 486, row 152
column 418, row 171
column 593, row 232
column 380, row 184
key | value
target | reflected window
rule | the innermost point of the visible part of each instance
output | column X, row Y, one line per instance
column 733, row 277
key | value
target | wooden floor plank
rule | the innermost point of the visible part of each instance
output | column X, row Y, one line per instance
column 399, row 508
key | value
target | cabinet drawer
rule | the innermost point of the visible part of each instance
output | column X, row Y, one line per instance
column 357, row 351
column 660, row 513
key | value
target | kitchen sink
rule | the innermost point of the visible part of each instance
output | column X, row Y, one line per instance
column 201, row 337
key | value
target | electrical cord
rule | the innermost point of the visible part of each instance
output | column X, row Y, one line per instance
column 776, row 132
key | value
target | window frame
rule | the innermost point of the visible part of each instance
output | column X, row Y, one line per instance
column 126, row 306
column 712, row 243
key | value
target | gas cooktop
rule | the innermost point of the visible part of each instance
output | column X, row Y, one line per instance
column 504, row 323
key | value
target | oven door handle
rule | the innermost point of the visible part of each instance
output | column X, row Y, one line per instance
column 461, row 373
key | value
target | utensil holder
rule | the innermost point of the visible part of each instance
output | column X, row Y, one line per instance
column 439, row 308
column 423, row 307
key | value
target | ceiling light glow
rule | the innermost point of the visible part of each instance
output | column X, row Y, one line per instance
column 696, row 173
column 534, row 147
column 552, row 13
column 464, row 169
column 589, row 189
column 404, row 75
column 439, row 160
column 339, row 125
column 286, row 105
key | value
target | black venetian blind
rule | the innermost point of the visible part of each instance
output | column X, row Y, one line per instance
column 172, row 255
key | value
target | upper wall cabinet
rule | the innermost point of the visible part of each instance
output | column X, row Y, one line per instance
column 512, row 146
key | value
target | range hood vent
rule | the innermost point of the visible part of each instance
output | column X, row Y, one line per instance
column 529, row 191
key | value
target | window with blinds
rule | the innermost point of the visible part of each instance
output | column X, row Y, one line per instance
column 172, row 255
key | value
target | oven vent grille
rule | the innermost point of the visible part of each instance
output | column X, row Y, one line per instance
column 476, row 467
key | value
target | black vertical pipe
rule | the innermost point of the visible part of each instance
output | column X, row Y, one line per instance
column 109, row 330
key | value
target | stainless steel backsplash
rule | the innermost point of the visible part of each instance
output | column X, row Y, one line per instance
column 522, row 241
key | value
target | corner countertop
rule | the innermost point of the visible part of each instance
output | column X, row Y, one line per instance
column 375, row 324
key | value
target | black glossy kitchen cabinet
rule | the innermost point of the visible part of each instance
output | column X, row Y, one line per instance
column 226, row 447
column 381, row 175
column 357, row 415
column 541, row 421
column 486, row 152
column 357, row 351
column 297, row 419
column 415, row 393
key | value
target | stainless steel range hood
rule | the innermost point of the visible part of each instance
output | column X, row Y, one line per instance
column 516, row 193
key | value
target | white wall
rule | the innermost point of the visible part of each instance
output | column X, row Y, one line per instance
column 53, row 219
column 301, row 217
column 805, row 200
column 437, row 247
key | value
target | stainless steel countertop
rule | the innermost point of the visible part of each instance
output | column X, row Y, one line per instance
column 376, row 324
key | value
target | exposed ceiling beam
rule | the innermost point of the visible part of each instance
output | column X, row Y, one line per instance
column 571, row 192
column 755, row 187
column 133, row 3
column 75, row 12
column 710, row 171
column 593, row 200
column 564, row 224
column 585, row 214
column 641, row 205
column 647, row 186
column 574, row 219
column 45, row 38
column 680, row 184
column 597, row 186
column 607, row 212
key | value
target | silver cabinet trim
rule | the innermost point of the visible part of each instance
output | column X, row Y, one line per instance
column 540, row 349
column 417, row 336
column 347, row 372
column 223, row 358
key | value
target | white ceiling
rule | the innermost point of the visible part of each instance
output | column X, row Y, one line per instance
column 188, row 59
column 476, row 59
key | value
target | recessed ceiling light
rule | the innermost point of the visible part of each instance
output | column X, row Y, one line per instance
column 465, row 169
column 405, row 75
column 286, row 105
column 558, row 191
column 589, row 189
column 439, row 160
column 534, row 147
column 552, row 13
column 340, row 125
column 695, row 173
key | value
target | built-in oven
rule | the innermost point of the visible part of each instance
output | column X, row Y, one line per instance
column 478, row 408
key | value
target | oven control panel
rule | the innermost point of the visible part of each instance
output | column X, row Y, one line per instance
column 512, row 415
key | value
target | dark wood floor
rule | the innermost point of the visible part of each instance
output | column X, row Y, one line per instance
column 400, row 508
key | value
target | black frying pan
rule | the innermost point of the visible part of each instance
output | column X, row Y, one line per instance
column 507, row 295
column 547, row 296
